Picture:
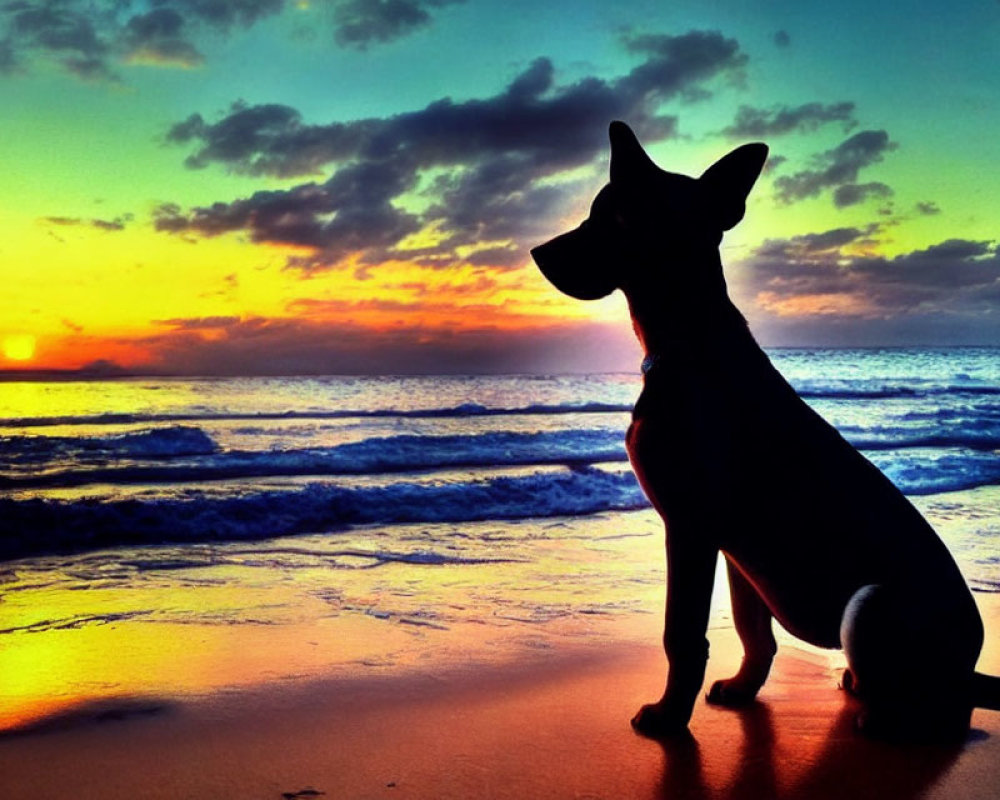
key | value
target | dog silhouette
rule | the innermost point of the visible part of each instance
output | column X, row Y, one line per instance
column 735, row 462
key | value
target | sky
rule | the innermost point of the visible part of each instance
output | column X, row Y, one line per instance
column 218, row 187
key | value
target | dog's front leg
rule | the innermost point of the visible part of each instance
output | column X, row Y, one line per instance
column 690, row 576
column 752, row 618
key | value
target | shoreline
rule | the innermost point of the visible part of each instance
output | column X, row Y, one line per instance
column 554, row 724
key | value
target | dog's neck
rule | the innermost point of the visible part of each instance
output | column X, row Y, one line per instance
column 670, row 323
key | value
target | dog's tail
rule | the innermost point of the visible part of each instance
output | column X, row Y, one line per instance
column 985, row 691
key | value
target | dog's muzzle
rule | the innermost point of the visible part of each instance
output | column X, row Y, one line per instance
column 578, row 263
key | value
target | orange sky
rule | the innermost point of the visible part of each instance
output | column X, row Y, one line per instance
column 272, row 189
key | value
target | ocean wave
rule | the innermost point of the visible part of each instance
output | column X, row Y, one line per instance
column 377, row 455
column 189, row 455
column 922, row 472
column 982, row 412
column 968, row 434
column 153, row 443
column 459, row 411
column 37, row 525
column 847, row 390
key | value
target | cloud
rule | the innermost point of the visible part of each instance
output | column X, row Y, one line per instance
column 89, row 40
column 116, row 224
column 54, row 26
column 358, row 23
column 268, row 139
column 158, row 38
column 479, row 166
column 351, row 212
column 555, row 127
column 760, row 123
column 836, row 273
column 928, row 208
column 225, row 14
column 838, row 167
column 91, row 69
column 62, row 31
column 850, row 194
column 782, row 39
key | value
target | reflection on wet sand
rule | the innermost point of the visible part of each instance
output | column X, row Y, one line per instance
column 847, row 765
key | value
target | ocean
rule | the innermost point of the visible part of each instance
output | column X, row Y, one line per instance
column 498, row 510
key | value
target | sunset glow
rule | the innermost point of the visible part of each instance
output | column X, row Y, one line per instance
column 304, row 176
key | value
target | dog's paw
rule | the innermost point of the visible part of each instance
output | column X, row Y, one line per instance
column 659, row 721
column 732, row 693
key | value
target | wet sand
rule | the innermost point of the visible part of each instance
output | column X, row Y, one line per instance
column 554, row 725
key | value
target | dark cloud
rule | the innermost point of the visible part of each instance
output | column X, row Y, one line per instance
column 268, row 139
column 89, row 39
column 158, row 38
column 957, row 277
column 808, row 245
column 55, row 26
column 168, row 217
column 358, row 23
column 760, row 123
column 496, row 201
column 165, row 23
column 69, row 33
column 774, row 162
column 676, row 63
column 928, row 209
column 782, row 39
column 837, row 167
column 197, row 323
column 116, row 224
column 506, row 256
column 850, row 194
column 479, row 163
column 90, row 69
column 553, row 127
column 351, row 212
column 225, row 14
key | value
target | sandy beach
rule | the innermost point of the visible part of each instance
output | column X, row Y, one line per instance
column 552, row 725
column 359, row 589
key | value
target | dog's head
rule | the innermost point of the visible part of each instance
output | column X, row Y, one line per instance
column 644, row 213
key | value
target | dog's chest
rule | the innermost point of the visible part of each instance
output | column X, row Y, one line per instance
column 686, row 440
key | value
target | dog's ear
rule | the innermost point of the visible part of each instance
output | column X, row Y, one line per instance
column 628, row 159
column 730, row 179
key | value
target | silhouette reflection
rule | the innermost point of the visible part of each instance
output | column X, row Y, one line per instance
column 845, row 765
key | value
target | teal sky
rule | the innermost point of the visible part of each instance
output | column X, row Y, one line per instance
column 130, row 239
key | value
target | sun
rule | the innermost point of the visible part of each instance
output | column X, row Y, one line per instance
column 19, row 347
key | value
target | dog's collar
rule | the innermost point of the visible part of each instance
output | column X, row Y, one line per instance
column 670, row 351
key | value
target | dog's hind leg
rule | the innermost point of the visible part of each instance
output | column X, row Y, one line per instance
column 752, row 618
column 911, row 661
